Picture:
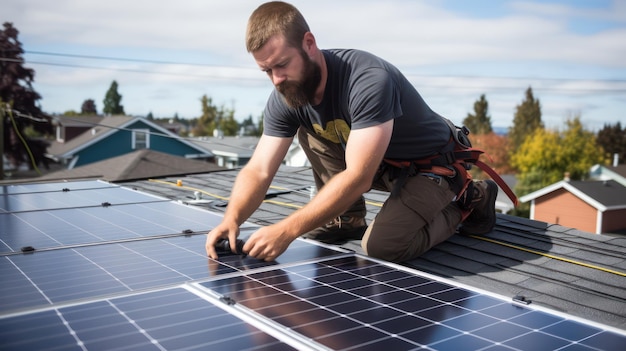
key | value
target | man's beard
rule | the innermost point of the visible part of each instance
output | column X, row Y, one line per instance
column 300, row 93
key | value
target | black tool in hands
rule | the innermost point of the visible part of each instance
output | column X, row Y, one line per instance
column 223, row 246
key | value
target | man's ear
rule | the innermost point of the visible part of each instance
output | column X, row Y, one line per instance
column 308, row 44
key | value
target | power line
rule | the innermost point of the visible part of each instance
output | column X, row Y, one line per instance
column 162, row 62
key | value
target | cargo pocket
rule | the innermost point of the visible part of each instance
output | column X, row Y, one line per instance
column 425, row 197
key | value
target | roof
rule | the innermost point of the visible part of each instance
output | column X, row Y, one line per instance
column 602, row 195
column 560, row 268
column 138, row 164
column 78, row 121
column 229, row 146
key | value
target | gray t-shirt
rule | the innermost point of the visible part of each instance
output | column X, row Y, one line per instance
column 363, row 90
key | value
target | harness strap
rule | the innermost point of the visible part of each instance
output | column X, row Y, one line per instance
column 458, row 159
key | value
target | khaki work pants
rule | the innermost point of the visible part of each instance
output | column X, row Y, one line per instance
column 420, row 216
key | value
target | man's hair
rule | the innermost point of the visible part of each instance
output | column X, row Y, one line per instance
column 273, row 18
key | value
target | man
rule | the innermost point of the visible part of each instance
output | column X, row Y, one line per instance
column 352, row 112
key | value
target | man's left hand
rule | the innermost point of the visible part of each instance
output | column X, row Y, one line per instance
column 267, row 243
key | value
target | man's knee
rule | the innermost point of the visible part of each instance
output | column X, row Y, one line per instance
column 391, row 250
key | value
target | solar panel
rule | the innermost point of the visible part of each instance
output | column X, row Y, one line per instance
column 357, row 303
column 61, row 227
column 92, row 197
column 130, row 276
column 161, row 320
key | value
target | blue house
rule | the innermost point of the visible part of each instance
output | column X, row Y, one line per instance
column 117, row 135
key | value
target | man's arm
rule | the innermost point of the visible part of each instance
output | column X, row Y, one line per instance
column 249, row 189
column 365, row 151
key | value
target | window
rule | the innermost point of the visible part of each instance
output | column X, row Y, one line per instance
column 141, row 139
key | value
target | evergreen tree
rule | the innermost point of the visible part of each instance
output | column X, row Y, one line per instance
column 613, row 139
column 526, row 120
column 480, row 121
column 88, row 107
column 112, row 101
column 17, row 94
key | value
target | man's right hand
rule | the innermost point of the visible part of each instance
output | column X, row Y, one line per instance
column 224, row 230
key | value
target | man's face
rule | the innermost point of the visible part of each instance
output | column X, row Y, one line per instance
column 291, row 70
column 298, row 93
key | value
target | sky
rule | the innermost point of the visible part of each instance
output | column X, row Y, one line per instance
column 165, row 55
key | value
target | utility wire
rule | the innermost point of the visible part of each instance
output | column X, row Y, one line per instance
column 94, row 124
column 408, row 74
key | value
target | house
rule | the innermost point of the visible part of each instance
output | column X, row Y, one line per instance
column 615, row 172
column 229, row 151
column 117, row 135
column 592, row 206
column 69, row 127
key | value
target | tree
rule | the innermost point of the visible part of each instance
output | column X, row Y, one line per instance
column 613, row 139
column 18, row 103
column 213, row 118
column 112, row 101
column 526, row 120
column 88, row 107
column 496, row 149
column 480, row 121
column 546, row 156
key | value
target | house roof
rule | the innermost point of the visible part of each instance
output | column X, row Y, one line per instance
column 138, row 164
column 229, row 146
column 78, row 121
column 602, row 195
column 560, row 268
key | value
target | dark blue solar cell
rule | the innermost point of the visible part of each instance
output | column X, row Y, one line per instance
column 402, row 324
column 453, row 295
column 537, row 341
column 478, row 302
column 353, row 306
column 430, row 288
column 351, row 338
column 571, row 330
column 471, row 321
column 505, row 311
column 606, row 340
column 390, row 343
column 431, row 334
column 535, row 319
column 501, row 331
column 442, row 313
column 377, row 314
column 416, row 304
column 40, row 331
column 463, row 342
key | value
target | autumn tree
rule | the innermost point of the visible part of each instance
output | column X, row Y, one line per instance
column 88, row 107
column 112, row 101
column 546, row 156
column 496, row 155
column 612, row 138
column 526, row 120
column 19, row 109
column 480, row 121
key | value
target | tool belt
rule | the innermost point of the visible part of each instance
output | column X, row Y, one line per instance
column 453, row 162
